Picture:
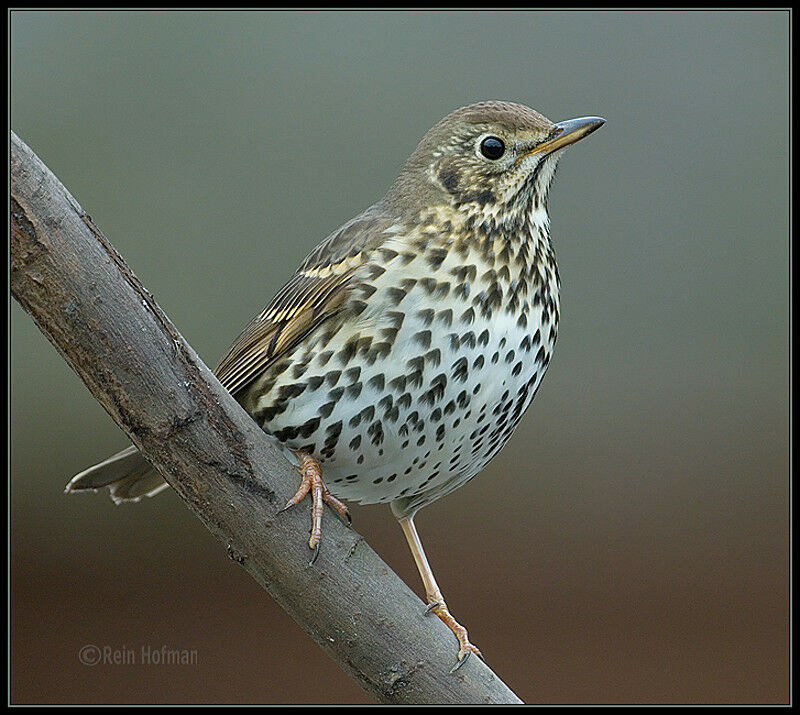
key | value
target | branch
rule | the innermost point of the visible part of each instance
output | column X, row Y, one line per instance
column 107, row 326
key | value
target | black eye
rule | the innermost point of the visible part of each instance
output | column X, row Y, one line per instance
column 493, row 148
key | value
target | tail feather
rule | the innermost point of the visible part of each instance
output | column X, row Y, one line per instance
column 127, row 474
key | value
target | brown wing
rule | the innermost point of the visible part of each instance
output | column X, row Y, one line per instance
column 313, row 295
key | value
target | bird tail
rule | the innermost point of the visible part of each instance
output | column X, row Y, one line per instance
column 127, row 474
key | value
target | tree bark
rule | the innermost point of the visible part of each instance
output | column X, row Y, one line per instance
column 107, row 326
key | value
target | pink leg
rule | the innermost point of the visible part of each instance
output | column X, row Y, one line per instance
column 311, row 474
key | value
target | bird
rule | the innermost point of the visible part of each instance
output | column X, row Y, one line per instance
column 400, row 356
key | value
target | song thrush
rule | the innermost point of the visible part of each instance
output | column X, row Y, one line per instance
column 402, row 353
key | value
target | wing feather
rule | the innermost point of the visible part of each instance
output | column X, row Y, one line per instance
column 286, row 320
column 315, row 293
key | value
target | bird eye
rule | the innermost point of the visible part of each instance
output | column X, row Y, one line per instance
column 493, row 148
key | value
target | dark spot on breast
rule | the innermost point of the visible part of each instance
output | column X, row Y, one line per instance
column 423, row 337
column 426, row 315
column 428, row 285
column 435, row 257
column 293, row 390
column 459, row 369
column 395, row 294
column 398, row 383
column 311, row 426
column 446, row 316
column 385, row 403
column 315, row 381
column 352, row 374
column 433, row 357
column 353, row 391
column 378, row 382
column 348, row 351
column 333, row 431
column 375, row 432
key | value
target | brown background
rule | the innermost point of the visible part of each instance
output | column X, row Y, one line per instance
column 631, row 542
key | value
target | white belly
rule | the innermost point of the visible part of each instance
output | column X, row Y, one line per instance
column 428, row 415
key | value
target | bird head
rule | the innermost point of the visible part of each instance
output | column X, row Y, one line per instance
column 488, row 157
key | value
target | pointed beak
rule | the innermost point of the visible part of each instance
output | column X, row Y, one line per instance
column 567, row 133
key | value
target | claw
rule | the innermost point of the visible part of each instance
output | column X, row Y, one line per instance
column 316, row 548
column 461, row 660
column 346, row 522
column 465, row 648
column 431, row 606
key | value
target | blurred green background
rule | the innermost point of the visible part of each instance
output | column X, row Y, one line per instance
column 630, row 544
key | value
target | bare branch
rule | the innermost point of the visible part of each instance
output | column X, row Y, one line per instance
column 106, row 325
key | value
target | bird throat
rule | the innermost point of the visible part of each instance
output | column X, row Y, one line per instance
column 511, row 240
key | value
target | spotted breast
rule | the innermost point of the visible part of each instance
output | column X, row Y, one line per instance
column 432, row 358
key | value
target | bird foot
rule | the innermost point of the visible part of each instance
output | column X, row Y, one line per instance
column 465, row 648
column 311, row 474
